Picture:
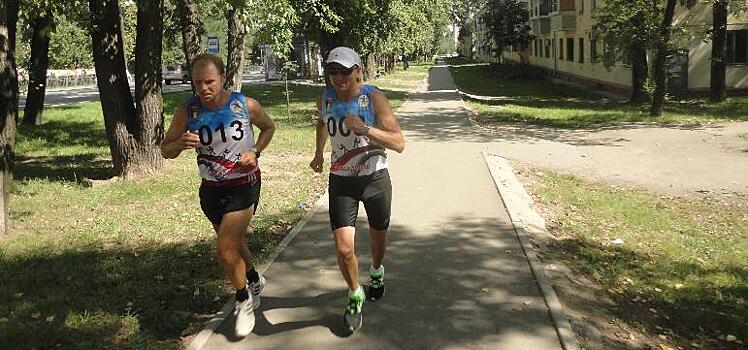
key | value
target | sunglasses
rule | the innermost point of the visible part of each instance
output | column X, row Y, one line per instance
column 342, row 71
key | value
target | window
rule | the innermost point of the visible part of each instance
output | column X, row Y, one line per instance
column 594, row 4
column 570, row 49
column 737, row 47
column 593, row 51
column 560, row 49
column 581, row 7
column 581, row 50
column 548, row 49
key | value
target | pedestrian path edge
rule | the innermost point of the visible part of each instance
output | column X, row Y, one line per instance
column 512, row 192
column 210, row 327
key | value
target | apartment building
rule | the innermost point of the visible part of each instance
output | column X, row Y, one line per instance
column 567, row 47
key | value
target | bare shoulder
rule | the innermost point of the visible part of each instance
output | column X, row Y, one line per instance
column 378, row 94
column 252, row 104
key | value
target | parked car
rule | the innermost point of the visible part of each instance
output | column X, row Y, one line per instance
column 176, row 72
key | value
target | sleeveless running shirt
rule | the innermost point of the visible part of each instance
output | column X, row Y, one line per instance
column 225, row 133
column 352, row 155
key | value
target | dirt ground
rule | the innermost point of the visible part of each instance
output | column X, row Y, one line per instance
column 671, row 160
column 707, row 160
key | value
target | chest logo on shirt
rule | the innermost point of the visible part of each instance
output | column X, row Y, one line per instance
column 194, row 112
column 236, row 107
column 328, row 103
column 363, row 102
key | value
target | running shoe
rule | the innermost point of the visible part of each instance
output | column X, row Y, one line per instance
column 245, row 317
column 353, row 316
column 376, row 284
column 255, row 288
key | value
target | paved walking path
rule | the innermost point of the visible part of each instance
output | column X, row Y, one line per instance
column 457, row 277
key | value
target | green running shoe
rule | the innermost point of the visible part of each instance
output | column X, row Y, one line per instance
column 376, row 284
column 353, row 316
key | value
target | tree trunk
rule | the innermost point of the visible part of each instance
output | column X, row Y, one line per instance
column 390, row 66
column 116, row 102
column 8, row 105
column 660, row 75
column 368, row 62
column 34, row 108
column 149, row 106
column 235, row 58
column 190, row 37
column 639, row 74
column 717, row 84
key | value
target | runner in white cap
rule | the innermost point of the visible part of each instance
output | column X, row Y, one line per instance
column 359, row 120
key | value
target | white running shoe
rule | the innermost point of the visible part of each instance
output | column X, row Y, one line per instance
column 245, row 317
column 255, row 289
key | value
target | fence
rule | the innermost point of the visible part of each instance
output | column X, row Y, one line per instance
column 63, row 78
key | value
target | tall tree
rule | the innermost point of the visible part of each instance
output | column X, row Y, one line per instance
column 717, row 83
column 508, row 25
column 235, row 35
column 629, row 28
column 190, row 27
column 38, row 65
column 8, row 105
column 720, row 11
column 149, row 106
column 660, row 61
column 133, row 136
column 71, row 39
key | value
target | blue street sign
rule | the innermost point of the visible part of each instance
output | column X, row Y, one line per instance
column 213, row 44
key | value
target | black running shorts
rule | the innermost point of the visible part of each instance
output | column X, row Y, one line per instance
column 374, row 190
column 218, row 200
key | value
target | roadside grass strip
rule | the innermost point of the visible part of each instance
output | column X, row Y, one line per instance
column 678, row 260
column 532, row 100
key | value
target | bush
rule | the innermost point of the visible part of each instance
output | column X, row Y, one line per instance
column 516, row 71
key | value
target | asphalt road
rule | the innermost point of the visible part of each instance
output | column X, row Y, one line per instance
column 91, row 93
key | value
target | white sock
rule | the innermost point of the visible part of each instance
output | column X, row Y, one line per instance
column 378, row 271
column 358, row 291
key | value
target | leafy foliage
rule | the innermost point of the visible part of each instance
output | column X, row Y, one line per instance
column 507, row 24
column 71, row 45
column 624, row 26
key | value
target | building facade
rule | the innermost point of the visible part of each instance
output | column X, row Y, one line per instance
column 566, row 46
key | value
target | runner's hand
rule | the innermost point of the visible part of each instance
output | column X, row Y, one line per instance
column 355, row 123
column 316, row 163
column 189, row 140
column 248, row 160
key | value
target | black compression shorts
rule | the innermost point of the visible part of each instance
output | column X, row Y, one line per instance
column 218, row 200
column 346, row 192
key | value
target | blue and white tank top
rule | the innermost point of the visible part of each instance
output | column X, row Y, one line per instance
column 352, row 155
column 225, row 133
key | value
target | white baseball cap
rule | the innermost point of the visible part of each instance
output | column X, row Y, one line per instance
column 345, row 56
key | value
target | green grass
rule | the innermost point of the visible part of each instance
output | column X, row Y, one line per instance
column 540, row 102
column 404, row 79
column 685, row 258
column 130, row 264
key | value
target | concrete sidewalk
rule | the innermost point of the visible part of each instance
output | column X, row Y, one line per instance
column 457, row 277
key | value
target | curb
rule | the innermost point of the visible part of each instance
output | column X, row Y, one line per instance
column 210, row 327
column 508, row 187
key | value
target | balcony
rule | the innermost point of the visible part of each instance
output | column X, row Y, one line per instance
column 563, row 21
column 541, row 25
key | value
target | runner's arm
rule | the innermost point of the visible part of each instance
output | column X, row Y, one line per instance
column 387, row 132
column 263, row 122
column 321, row 133
column 320, row 140
column 177, row 138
